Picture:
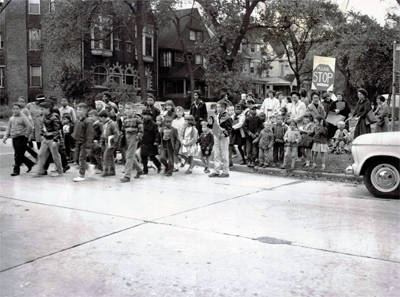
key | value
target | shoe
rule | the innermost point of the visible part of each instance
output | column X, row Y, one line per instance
column 251, row 164
column 111, row 174
column 66, row 168
column 98, row 171
column 213, row 175
column 14, row 174
column 224, row 175
column 104, row 174
column 273, row 165
column 307, row 165
column 323, row 167
column 158, row 169
column 91, row 167
column 56, row 174
column 230, row 164
column 243, row 163
column 78, row 179
column 182, row 164
column 291, row 168
column 283, row 166
column 125, row 179
column 207, row 171
column 138, row 174
column 314, row 166
column 188, row 171
column 175, row 170
column 168, row 174
column 145, row 173
column 30, row 168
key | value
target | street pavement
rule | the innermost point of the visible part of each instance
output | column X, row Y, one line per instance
column 190, row 235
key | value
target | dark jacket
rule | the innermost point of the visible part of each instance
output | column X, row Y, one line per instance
column 51, row 126
column 174, row 137
column 199, row 112
column 279, row 132
column 154, row 110
column 206, row 141
column 252, row 125
column 320, row 134
column 97, row 130
column 84, row 132
column 150, row 137
column 225, row 122
column 110, row 128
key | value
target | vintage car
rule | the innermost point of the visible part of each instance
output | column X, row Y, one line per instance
column 377, row 158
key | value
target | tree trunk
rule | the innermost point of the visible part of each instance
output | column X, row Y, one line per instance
column 186, row 55
column 139, row 48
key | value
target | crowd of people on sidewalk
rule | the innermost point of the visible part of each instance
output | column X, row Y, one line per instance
column 283, row 129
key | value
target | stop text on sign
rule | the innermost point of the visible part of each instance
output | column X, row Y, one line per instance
column 323, row 76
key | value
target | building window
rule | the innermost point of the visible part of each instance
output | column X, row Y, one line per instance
column 116, row 76
column 252, row 47
column 199, row 36
column 129, row 45
column 34, row 39
column 34, row 6
column 102, row 39
column 251, row 67
column 166, row 59
column 192, row 35
column 117, row 42
column 148, row 46
column 36, row 76
column 52, row 5
column 131, row 78
column 198, row 59
column 1, row 41
column 1, row 77
column 100, row 75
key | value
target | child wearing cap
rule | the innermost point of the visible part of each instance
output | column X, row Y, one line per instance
column 83, row 139
column 252, row 127
column 206, row 141
column 109, row 141
column 169, row 144
column 340, row 138
column 150, row 141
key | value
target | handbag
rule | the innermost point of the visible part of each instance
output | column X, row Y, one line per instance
column 370, row 118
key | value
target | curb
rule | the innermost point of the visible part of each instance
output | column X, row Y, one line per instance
column 284, row 173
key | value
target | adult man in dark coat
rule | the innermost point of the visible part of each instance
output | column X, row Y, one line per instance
column 198, row 110
column 150, row 141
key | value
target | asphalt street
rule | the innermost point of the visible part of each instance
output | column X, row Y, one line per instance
column 190, row 235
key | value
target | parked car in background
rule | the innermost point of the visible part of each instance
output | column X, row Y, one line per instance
column 211, row 109
column 377, row 158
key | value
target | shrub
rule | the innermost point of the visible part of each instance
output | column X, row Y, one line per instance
column 5, row 111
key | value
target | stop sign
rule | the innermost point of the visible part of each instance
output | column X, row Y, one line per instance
column 323, row 77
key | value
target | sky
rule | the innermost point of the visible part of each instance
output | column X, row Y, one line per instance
column 374, row 8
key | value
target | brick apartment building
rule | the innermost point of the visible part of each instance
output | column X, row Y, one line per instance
column 25, row 68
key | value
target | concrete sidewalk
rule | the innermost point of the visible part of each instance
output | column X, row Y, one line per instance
column 191, row 235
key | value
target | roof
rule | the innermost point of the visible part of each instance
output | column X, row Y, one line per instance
column 183, row 72
column 189, row 18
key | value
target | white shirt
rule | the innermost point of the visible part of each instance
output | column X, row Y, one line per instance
column 270, row 106
column 297, row 111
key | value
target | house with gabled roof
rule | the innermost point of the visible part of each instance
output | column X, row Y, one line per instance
column 174, row 78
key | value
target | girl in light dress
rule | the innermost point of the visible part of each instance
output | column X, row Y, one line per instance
column 189, row 142
column 179, row 124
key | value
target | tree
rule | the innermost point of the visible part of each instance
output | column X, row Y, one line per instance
column 231, row 21
column 69, row 26
column 363, row 51
column 298, row 27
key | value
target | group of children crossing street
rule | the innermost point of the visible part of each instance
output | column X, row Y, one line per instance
column 275, row 135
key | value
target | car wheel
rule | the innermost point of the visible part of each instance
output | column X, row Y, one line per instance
column 382, row 178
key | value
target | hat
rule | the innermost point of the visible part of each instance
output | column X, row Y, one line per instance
column 40, row 97
column 253, row 107
column 147, row 111
column 104, row 114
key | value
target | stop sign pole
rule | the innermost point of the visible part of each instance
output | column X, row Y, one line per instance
column 323, row 76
